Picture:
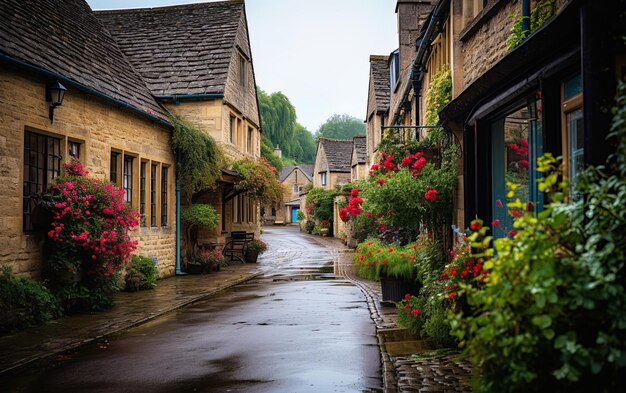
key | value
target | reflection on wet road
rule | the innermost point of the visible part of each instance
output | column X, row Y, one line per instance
column 295, row 330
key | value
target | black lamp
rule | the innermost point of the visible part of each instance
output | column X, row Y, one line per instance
column 54, row 94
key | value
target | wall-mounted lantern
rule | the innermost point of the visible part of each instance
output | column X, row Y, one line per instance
column 54, row 94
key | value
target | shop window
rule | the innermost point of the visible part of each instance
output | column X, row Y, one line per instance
column 516, row 142
column 42, row 163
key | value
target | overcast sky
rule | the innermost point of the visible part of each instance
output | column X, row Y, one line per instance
column 315, row 52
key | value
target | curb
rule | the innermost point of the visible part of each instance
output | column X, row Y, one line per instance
column 79, row 343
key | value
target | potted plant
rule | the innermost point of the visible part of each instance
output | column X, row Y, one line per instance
column 206, row 261
column 254, row 249
column 194, row 217
column 324, row 227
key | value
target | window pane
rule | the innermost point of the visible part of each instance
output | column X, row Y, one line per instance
column 573, row 87
column 576, row 149
column 142, row 194
column 153, row 212
column 164, row 171
column 113, row 168
column 128, row 179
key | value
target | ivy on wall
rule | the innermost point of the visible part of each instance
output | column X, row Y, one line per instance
column 543, row 11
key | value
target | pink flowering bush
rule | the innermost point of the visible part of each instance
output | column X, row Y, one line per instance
column 87, row 241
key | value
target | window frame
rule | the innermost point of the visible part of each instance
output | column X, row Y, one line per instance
column 142, row 193
column 324, row 178
column 164, row 196
column 232, row 128
column 153, row 195
column 569, row 105
column 242, row 71
column 127, row 178
column 43, row 173
column 114, row 167
column 73, row 149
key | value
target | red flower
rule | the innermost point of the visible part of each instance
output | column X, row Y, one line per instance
column 380, row 181
column 475, row 225
column 375, row 167
column 452, row 295
column 368, row 214
column 513, row 232
column 513, row 147
column 407, row 307
column 451, row 253
column 495, row 223
column 431, row 195
column 419, row 164
column 499, row 203
column 523, row 163
column 406, row 161
column 415, row 312
column 354, row 193
column 407, row 296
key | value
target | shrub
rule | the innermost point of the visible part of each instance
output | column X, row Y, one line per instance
column 144, row 269
column 88, row 243
column 198, row 215
column 24, row 303
column 259, row 179
column 300, row 215
column 550, row 316
column 210, row 260
column 257, row 246
column 309, row 226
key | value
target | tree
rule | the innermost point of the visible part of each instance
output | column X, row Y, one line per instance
column 341, row 127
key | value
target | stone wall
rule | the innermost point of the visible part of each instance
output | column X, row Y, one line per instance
column 99, row 127
column 321, row 165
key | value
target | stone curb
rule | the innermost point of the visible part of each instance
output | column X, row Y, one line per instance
column 85, row 341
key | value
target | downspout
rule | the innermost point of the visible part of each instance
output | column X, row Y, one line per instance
column 178, row 271
column 525, row 18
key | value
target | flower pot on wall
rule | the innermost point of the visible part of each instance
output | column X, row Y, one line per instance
column 394, row 289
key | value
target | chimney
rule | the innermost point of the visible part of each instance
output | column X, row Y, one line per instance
column 412, row 15
column 277, row 152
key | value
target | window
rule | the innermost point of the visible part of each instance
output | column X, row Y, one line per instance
column 164, row 171
column 323, row 178
column 153, row 194
column 232, row 129
column 142, row 194
column 73, row 149
column 235, row 208
column 128, row 179
column 250, row 140
column 242, row 71
column 572, row 136
column 517, row 141
column 113, row 171
column 394, row 68
column 296, row 188
column 42, row 163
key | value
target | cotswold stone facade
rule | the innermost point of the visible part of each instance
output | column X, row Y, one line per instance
column 98, row 128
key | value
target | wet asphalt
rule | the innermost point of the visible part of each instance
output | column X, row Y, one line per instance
column 297, row 328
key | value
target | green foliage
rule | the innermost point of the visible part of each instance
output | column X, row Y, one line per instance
column 200, row 215
column 259, row 179
column 267, row 152
column 24, row 303
column 375, row 259
column 208, row 261
column 278, row 117
column 439, row 95
column 144, row 268
column 341, row 127
column 550, row 316
column 309, row 225
column 319, row 204
column 199, row 159
column 300, row 215
column 543, row 11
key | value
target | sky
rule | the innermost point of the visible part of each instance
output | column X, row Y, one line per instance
column 314, row 51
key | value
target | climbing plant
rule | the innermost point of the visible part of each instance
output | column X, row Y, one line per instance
column 538, row 16
column 259, row 179
column 199, row 159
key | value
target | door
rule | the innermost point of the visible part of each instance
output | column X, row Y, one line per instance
column 294, row 214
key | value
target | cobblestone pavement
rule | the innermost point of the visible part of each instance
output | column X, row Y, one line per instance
column 401, row 373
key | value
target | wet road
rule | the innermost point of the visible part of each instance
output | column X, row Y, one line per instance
column 297, row 329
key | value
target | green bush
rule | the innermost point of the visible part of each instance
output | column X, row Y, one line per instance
column 309, row 226
column 551, row 315
column 143, row 269
column 24, row 303
column 300, row 215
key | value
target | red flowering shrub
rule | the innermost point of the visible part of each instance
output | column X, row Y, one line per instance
column 88, row 241
column 353, row 208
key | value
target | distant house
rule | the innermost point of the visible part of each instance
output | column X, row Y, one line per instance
column 196, row 60
column 108, row 119
column 332, row 165
column 358, row 161
column 377, row 104
column 294, row 179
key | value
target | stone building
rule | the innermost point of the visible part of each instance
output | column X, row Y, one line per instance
column 509, row 104
column 358, row 160
column 377, row 104
column 108, row 119
column 294, row 179
column 196, row 60
column 332, row 165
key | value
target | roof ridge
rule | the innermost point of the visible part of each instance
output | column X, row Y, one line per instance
column 379, row 57
column 172, row 7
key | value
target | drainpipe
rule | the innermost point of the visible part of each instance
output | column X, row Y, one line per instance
column 178, row 271
column 525, row 18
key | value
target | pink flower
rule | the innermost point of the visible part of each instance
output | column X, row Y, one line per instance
column 495, row 223
column 499, row 203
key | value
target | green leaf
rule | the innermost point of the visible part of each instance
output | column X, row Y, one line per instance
column 543, row 321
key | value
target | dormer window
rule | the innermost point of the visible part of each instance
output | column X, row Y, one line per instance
column 394, row 68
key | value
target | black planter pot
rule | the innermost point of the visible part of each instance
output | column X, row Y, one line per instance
column 251, row 256
column 394, row 288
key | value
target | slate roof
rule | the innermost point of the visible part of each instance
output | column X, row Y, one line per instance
column 379, row 68
column 338, row 154
column 63, row 39
column 360, row 147
column 178, row 50
column 306, row 169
